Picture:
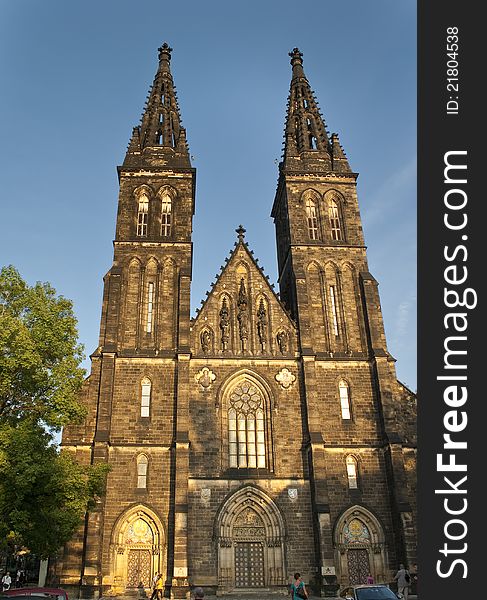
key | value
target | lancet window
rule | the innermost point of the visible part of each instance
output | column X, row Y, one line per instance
column 145, row 397
column 344, row 391
column 352, row 474
column 335, row 226
column 166, row 215
column 312, row 218
column 334, row 311
column 150, row 307
column 142, row 468
column 142, row 215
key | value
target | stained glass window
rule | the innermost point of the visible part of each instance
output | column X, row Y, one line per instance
column 246, row 427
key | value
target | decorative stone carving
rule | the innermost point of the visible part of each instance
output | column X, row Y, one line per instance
column 242, row 315
column 205, row 378
column 285, row 378
column 205, row 341
column 226, row 542
column 293, row 494
column 205, row 495
column 283, row 341
column 262, row 325
column 224, row 324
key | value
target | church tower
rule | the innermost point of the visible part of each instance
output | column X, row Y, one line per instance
column 137, row 393
column 326, row 284
column 267, row 434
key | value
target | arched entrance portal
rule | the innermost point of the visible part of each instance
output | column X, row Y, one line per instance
column 137, row 550
column 250, row 537
column 360, row 546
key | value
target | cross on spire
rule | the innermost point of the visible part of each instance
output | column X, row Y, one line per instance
column 241, row 233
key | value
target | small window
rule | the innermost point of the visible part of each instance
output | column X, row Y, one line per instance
column 142, row 215
column 334, row 311
column 150, row 307
column 344, row 399
column 312, row 218
column 352, row 473
column 336, row 230
column 145, row 397
column 166, row 215
column 142, row 464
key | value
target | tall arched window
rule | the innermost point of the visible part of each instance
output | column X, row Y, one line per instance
column 336, row 230
column 344, row 399
column 312, row 217
column 142, row 214
column 246, row 427
column 334, row 311
column 166, row 215
column 150, row 307
column 352, row 474
column 145, row 397
column 142, row 468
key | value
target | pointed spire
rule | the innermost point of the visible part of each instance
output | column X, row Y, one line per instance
column 340, row 161
column 161, row 136
column 306, row 141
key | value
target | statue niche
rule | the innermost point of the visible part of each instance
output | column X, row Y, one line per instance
column 224, row 325
column 262, row 325
column 242, row 316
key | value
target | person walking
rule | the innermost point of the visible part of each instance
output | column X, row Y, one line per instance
column 297, row 589
column 199, row 594
column 369, row 580
column 403, row 580
column 6, row 582
column 157, row 585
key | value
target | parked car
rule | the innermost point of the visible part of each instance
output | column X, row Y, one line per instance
column 34, row 593
column 368, row 592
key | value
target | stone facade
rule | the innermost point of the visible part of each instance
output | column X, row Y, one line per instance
column 268, row 434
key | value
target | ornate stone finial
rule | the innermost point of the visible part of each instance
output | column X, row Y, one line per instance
column 165, row 52
column 296, row 57
column 241, row 233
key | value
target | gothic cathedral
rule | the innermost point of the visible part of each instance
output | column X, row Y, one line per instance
column 268, row 434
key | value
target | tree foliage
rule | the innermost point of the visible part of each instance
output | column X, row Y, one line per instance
column 40, row 373
column 44, row 494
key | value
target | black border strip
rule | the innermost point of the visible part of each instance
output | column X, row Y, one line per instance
column 442, row 128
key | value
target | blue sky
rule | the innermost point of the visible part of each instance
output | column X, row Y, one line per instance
column 74, row 80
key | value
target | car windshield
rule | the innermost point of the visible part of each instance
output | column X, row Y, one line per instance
column 375, row 593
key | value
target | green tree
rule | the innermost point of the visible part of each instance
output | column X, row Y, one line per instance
column 44, row 494
column 40, row 373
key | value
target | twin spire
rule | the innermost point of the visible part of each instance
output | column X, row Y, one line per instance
column 307, row 144
column 161, row 139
